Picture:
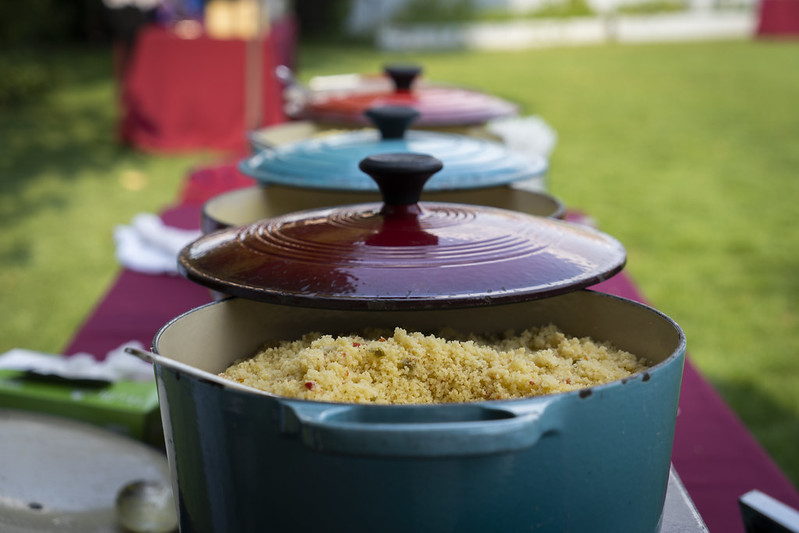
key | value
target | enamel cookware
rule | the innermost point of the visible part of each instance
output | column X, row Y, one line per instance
column 323, row 171
column 595, row 459
column 331, row 162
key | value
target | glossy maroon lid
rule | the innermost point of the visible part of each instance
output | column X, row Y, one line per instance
column 402, row 254
column 438, row 105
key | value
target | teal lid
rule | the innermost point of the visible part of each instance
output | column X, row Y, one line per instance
column 331, row 162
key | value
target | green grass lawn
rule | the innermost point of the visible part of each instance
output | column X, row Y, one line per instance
column 687, row 153
column 64, row 184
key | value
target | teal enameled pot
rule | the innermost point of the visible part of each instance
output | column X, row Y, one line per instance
column 330, row 163
column 594, row 460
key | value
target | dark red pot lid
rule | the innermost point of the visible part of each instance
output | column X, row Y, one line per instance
column 402, row 254
column 438, row 105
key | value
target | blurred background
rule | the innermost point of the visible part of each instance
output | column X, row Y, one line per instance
column 677, row 127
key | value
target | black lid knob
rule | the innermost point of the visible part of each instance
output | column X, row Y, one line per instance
column 401, row 176
column 392, row 121
column 403, row 75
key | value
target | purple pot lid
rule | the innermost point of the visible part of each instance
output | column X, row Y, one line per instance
column 402, row 254
column 331, row 162
column 439, row 106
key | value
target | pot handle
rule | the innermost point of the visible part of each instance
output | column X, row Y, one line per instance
column 420, row 431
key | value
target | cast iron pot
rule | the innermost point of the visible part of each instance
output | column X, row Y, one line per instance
column 594, row 460
column 242, row 460
column 324, row 172
column 331, row 162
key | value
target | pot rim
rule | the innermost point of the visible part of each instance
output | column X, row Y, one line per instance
column 159, row 360
column 214, row 209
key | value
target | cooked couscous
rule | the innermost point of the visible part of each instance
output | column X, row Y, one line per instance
column 415, row 368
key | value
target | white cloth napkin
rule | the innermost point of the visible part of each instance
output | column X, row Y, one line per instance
column 148, row 245
column 529, row 137
column 117, row 366
column 525, row 135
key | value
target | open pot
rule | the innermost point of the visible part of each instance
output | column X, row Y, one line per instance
column 590, row 460
column 594, row 459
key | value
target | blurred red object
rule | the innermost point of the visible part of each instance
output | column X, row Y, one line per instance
column 185, row 94
column 205, row 183
column 778, row 18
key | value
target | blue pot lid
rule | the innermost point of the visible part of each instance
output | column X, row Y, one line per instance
column 331, row 162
